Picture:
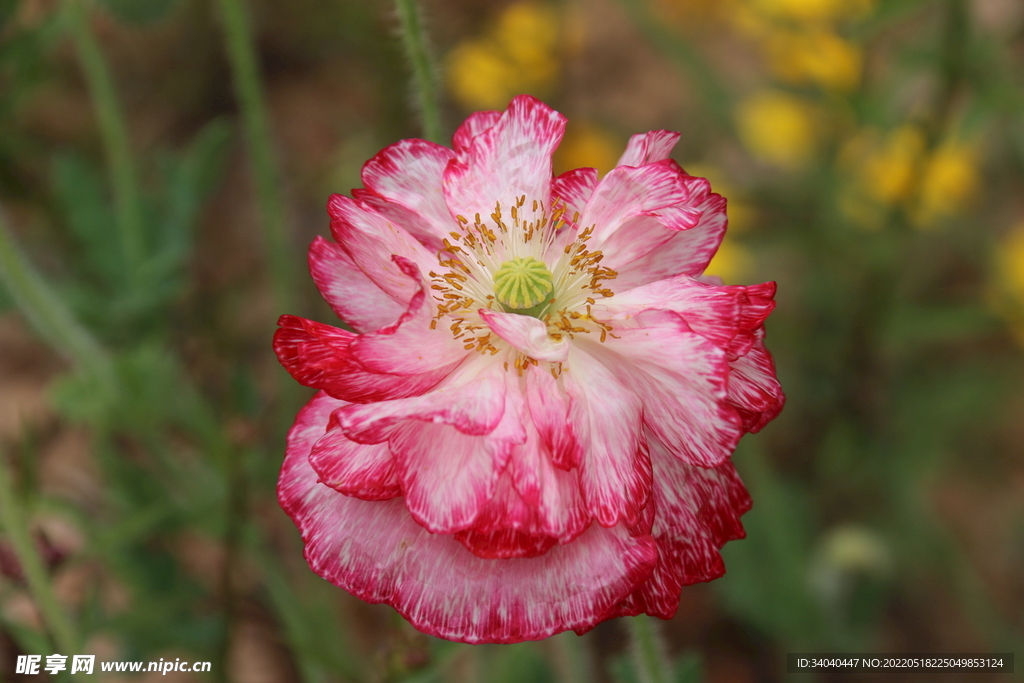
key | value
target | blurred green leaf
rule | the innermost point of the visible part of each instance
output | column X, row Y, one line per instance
column 79, row 186
column 139, row 11
column 689, row 668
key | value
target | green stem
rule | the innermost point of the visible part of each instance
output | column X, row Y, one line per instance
column 114, row 131
column 249, row 91
column 47, row 313
column 649, row 651
column 424, row 72
column 16, row 526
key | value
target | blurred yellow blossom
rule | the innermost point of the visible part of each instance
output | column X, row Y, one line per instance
column 732, row 261
column 814, row 56
column 898, row 170
column 518, row 54
column 813, row 10
column 588, row 146
column 778, row 128
column 1007, row 298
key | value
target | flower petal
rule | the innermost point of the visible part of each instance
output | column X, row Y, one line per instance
column 627, row 192
column 697, row 511
column 448, row 475
column 754, row 388
column 686, row 252
column 682, row 378
column 647, row 148
column 526, row 334
column 550, row 412
column 366, row 471
column 371, row 240
column 377, row 552
column 475, row 124
column 410, row 345
column 409, row 173
column 509, row 160
column 615, row 472
column 726, row 315
column 471, row 399
column 320, row 356
column 352, row 295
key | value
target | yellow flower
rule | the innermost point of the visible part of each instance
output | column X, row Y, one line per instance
column 1007, row 297
column 517, row 54
column 587, row 146
column 731, row 262
column 778, row 128
column 899, row 170
column 813, row 10
column 814, row 56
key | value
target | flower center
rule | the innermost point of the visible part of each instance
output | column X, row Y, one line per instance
column 522, row 285
column 526, row 261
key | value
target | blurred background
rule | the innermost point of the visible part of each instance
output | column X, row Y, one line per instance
column 165, row 163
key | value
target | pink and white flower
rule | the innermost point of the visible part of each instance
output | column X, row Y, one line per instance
column 529, row 430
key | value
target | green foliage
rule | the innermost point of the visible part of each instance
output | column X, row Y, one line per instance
column 139, row 12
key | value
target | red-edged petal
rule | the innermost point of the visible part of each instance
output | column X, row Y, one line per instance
column 647, row 148
column 352, row 295
column 377, row 552
column 687, row 252
column 409, row 173
column 754, row 388
column 697, row 511
column 320, row 356
column 365, row 471
column 422, row 230
column 627, row 192
column 475, row 123
column 509, row 160
column 550, row 412
column 539, row 503
column 615, row 471
column 471, row 399
column 526, row 334
column 726, row 315
column 682, row 378
column 371, row 240
column 410, row 345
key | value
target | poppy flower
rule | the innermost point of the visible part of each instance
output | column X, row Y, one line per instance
column 529, row 428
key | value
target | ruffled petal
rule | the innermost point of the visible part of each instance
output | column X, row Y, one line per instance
column 366, row 471
column 409, row 173
column 615, row 471
column 754, row 388
column 474, row 125
column 376, row 551
column 320, row 356
column 534, row 506
column 647, row 148
column 371, row 241
column 726, row 315
column 627, row 192
column 410, row 345
column 550, row 413
column 471, row 399
column 682, row 378
column 509, row 160
column 352, row 295
column 686, row 252
column 697, row 511
column 526, row 334
column 422, row 230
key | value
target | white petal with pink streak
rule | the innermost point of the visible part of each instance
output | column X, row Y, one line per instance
column 376, row 551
